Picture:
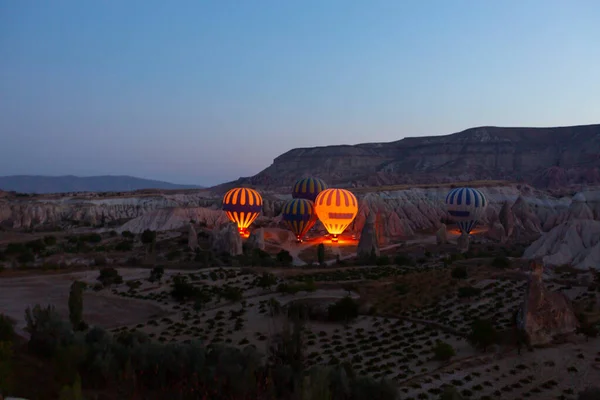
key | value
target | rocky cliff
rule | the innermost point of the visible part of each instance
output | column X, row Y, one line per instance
column 544, row 157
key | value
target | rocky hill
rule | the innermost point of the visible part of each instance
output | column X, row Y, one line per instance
column 543, row 157
column 70, row 183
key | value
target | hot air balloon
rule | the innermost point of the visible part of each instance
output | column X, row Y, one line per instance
column 242, row 205
column 300, row 216
column 308, row 188
column 336, row 208
column 465, row 206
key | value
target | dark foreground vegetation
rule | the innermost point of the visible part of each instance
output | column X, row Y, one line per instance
column 71, row 364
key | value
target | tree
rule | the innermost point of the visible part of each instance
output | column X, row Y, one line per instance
column 7, row 329
column 267, row 280
column 149, row 238
column 345, row 309
column 321, row 253
column 589, row 330
column 442, row 351
column 284, row 258
column 156, row 274
column 109, row 276
column 483, row 334
column 76, row 305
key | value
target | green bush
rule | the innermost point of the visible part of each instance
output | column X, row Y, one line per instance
column 127, row 234
column 483, row 334
column 284, row 258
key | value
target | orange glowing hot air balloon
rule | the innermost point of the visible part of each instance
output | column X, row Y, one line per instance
column 243, row 206
column 336, row 208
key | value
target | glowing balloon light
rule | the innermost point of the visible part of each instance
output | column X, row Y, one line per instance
column 308, row 188
column 336, row 208
column 300, row 216
column 243, row 206
column 465, row 207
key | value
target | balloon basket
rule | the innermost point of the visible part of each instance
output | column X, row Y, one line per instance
column 244, row 233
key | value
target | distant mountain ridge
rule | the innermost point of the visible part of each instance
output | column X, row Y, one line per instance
column 70, row 183
column 544, row 157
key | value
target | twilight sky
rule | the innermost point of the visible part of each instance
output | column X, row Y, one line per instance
column 206, row 91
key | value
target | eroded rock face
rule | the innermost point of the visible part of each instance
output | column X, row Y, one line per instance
column 545, row 315
column 368, row 243
column 173, row 218
column 226, row 239
column 496, row 232
column 441, row 235
column 256, row 239
column 192, row 238
column 463, row 242
column 576, row 243
column 507, row 219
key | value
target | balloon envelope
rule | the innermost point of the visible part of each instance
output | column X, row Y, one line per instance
column 308, row 188
column 465, row 206
column 243, row 206
column 300, row 216
column 336, row 208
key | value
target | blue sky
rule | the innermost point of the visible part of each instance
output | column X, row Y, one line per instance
column 207, row 91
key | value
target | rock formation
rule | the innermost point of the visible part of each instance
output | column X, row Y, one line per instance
column 496, row 232
column 545, row 315
column 174, row 218
column 256, row 239
column 368, row 243
column 192, row 238
column 574, row 242
column 507, row 219
column 463, row 242
column 226, row 239
column 441, row 235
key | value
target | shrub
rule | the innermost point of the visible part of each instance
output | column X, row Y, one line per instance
column 124, row 246
column 127, row 234
column 443, row 351
column 156, row 274
column 501, row 262
column 403, row 259
column 459, row 272
column 148, row 236
column 344, row 309
column 468, row 291
column 382, row 260
column 7, row 330
column 109, row 276
column 48, row 332
column 321, row 253
column 267, row 280
column 26, row 257
column 483, row 334
column 284, row 258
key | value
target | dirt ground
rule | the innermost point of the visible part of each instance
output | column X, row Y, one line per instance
column 101, row 308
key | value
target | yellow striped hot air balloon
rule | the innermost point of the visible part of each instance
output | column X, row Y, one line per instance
column 336, row 208
column 299, row 215
column 243, row 206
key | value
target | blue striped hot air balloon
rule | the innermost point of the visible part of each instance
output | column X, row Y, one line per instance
column 243, row 206
column 308, row 188
column 300, row 216
column 465, row 206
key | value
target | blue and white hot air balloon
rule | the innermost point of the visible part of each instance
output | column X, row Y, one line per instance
column 466, row 206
